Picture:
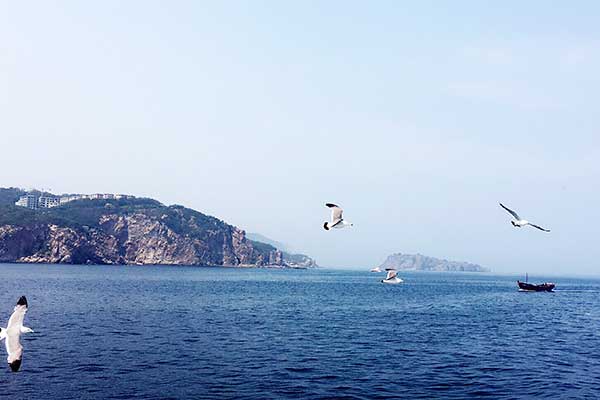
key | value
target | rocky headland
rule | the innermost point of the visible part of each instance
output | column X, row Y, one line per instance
column 129, row 231
column 419, row 262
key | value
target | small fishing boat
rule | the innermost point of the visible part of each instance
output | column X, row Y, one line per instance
column 530, row 287
column 391, row 277
column 376, row 269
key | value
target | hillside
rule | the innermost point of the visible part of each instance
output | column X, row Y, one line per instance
column 128, row 231
column 257, row 237
column 8, row 196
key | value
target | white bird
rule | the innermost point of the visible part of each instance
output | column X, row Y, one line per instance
column 519, row 222
column 13, row 332
column 337, row 221
column 391, row 277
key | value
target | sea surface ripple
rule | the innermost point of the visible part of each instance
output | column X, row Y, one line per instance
column 106, row 332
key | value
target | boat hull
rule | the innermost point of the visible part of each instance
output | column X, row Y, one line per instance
column 529, row 287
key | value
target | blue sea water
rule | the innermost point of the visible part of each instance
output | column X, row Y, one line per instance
column 106, row 332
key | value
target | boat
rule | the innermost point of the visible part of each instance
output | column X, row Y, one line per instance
column 542, row 287
column 530, row 287
column 391, row 277
column 376, row 269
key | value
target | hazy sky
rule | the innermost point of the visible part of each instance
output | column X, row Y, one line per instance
column 416, row 117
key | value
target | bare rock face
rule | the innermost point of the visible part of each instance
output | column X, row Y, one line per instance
column 142, row 240
column 17, row 242
column 143, row 235
column 68, row 246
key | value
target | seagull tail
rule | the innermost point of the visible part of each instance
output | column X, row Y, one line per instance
column 2, row 333
column 325, row 226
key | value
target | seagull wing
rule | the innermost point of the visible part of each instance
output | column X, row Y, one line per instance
column 539, row 227
column 336, row 213
column 13, row 334
column 514, row 214
column 14, row 349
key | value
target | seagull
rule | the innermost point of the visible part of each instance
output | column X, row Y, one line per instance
column 392, row 277
column 13, row 332
column 336, row 218
column 518, row 222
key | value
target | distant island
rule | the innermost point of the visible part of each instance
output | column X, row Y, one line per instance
column 39, row 227
column 419, row 262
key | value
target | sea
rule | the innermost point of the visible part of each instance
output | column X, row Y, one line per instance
column 157, row 332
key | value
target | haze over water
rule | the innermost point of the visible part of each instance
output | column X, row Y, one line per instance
column 106, row 332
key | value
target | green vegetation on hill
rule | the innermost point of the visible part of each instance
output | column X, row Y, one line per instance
column 257, row 237
column 87, row 213
column 8, row 196
column 74, row 214
column 262, row 247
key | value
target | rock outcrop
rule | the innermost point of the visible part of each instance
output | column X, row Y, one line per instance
column 419, row 262
column 142, row 232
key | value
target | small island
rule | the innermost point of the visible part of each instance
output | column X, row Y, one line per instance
column 40, row 227
column 419, row 262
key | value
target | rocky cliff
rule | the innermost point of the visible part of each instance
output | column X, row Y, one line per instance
column 419, row 262
column 133, row 231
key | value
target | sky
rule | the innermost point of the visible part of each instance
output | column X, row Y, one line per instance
column 416, row 117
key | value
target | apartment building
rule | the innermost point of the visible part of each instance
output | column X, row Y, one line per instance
column 48, row 202
column 29, row 201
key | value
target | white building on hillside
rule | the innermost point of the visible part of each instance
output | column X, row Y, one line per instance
column 34, row 202
column 66, row 199
column 29, row 201
column 48, row 202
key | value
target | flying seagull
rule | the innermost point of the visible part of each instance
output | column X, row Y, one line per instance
column 12, row 333
column 337, row 221
column 518, row 222
column 391, row 277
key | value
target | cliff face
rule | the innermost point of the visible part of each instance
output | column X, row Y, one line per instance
column 142, row 234
column 419, row 262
